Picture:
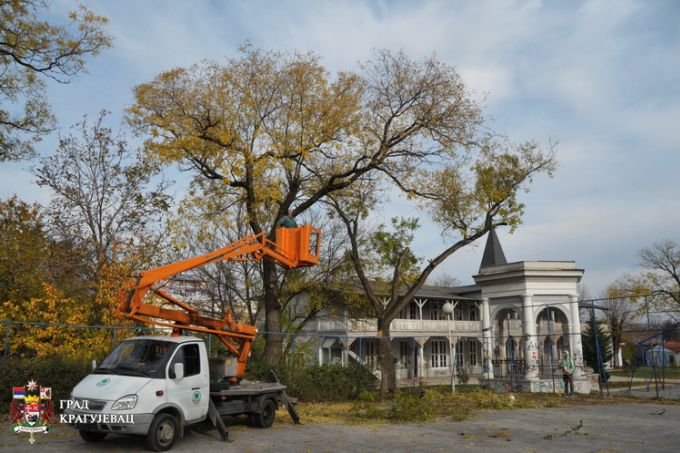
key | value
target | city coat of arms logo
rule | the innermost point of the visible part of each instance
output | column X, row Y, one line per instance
column 31, row 410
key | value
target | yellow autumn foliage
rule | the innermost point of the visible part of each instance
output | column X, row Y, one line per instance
column 34, row 340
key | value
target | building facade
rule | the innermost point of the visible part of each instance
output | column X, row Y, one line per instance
column 508, row 330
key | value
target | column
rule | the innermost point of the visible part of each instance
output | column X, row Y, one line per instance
column 529, row 334
column 575, row 336
column 421, row 355
column 487, row 346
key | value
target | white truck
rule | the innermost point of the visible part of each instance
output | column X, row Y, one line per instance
column 156, row 386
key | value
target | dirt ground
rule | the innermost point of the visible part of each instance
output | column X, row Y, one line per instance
column 614, row 427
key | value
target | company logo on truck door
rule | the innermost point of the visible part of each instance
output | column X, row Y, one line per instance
column 196, row 397
column 31, row 410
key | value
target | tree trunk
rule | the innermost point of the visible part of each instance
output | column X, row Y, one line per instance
column 272, row 309
column 388, row 378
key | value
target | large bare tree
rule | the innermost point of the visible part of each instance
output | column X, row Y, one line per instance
column 104, row 199
column 466, row 197
column 280, row 132
column 662, row 263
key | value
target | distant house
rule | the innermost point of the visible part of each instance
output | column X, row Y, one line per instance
column 666, row 354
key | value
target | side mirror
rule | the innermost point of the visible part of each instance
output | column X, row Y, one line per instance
column 179, row 371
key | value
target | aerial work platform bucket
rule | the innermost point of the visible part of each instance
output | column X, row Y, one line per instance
column 300, row 244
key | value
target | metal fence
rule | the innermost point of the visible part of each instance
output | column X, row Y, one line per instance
column 657, row 364
column 429, row 360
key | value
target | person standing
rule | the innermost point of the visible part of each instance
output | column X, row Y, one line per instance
column 287, row 221
column 567, row 365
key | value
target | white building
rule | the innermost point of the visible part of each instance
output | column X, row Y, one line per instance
column 508, row 329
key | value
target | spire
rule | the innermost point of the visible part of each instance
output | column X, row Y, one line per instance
column 493, row 252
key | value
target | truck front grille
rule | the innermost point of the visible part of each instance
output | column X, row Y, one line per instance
column 92, row 405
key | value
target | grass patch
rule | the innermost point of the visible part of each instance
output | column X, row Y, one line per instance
column 420, row 405
column 431, row 404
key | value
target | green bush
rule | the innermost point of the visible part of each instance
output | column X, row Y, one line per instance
column 319, row 382
column 59, row 373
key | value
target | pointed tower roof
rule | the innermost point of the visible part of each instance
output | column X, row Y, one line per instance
column 493, row 252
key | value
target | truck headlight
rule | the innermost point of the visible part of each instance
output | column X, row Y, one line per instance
column 125, row 403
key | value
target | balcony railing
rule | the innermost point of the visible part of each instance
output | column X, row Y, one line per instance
column 428, row 325
column 553, row 328
column 512, row 327
column 400, row 325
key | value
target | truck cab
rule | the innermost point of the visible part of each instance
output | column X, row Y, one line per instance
column 154, row 384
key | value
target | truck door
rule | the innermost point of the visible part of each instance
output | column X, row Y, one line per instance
column 191, row 393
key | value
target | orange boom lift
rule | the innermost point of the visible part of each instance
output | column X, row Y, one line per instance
column 294, row 247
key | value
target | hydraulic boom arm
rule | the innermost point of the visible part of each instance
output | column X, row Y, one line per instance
column 294, row 247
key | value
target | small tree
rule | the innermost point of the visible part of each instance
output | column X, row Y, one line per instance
column 596, row 342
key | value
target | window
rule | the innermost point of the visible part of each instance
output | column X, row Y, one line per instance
column 188, row 355
column 436, row 312
column 473, row 313
column 138, row 357
column 458, row 312
column 371, row 355
column 439, row 354
column 405, row 353
column 410, row 312
column 459, row 354
column 473, row 353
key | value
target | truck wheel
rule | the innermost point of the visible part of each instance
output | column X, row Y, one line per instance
column 162, row 433
column 265, row 418
column 92, row 436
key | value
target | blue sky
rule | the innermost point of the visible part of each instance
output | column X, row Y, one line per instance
column 601, row 78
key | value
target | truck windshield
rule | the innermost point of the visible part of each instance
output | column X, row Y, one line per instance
column 138, row 358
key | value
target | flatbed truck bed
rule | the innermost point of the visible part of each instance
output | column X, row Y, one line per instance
column 258, row 400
